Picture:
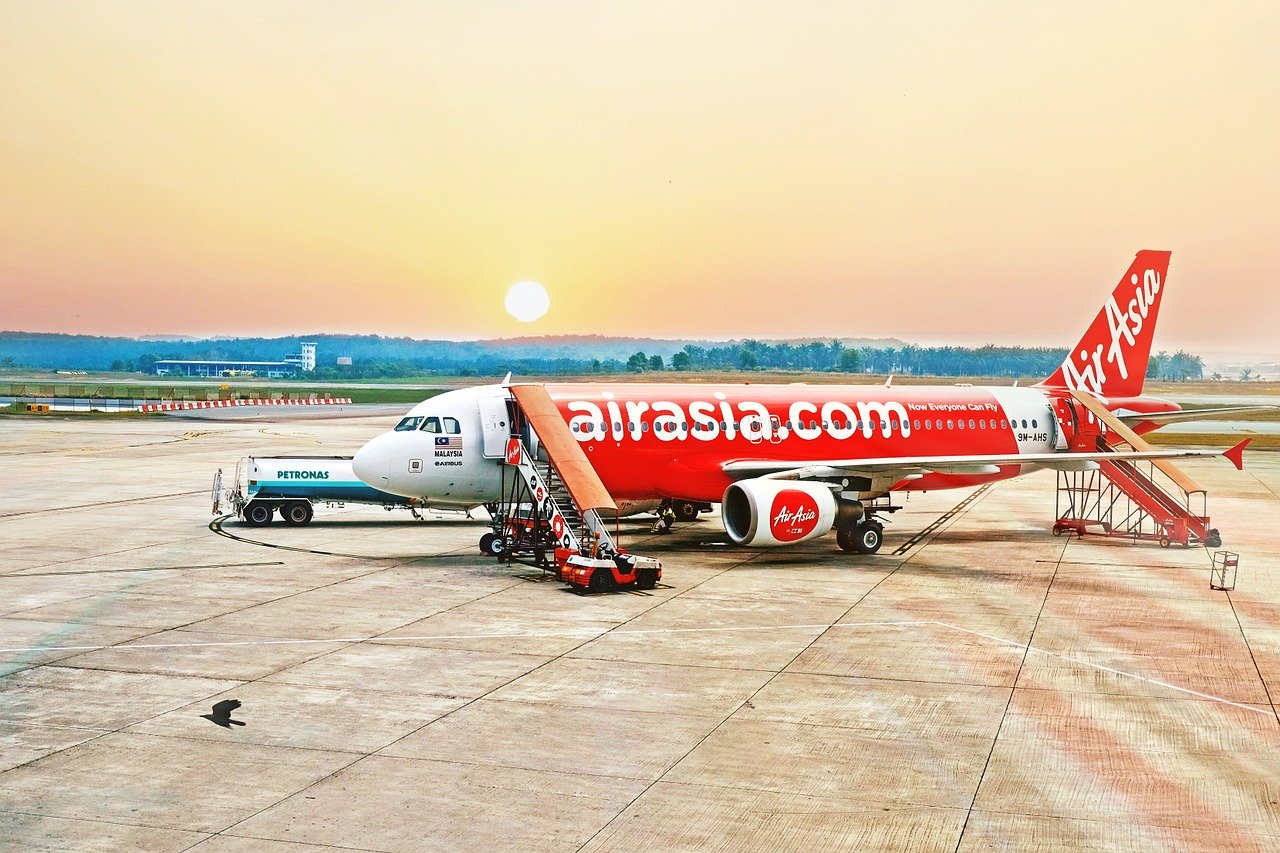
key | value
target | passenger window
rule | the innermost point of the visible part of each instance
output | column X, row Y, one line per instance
column 1024, row 423
column 960, row 424
column 951, row 424
column 431, row 425
column 644, row 426
column 1004, row 424
column 408, row 424
column 452, row 427
column 928, row 424
column 916, row 424
column 982, row 423
column 1034, row 425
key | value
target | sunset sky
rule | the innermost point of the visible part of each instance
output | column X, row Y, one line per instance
column 939, row 172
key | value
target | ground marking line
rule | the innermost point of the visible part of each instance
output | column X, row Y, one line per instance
column 1112, row 670
column 21, row 574
column 649, row 631
column 495, row 636
column 4, row 722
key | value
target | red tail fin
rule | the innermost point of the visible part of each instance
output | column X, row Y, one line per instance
column 1111, row 358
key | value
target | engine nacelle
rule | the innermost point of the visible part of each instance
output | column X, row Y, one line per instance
column 765, row 513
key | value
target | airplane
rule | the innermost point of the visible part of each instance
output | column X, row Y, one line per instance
column 791, row 462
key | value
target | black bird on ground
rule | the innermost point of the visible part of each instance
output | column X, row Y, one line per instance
column 222, row 713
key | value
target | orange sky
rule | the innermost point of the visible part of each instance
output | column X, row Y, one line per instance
column 938, row 172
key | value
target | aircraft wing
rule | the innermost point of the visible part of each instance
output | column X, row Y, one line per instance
column 912, row 467
column 1132, row 419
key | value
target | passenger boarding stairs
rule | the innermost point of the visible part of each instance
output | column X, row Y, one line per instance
column 553, row 498
column 1145, row 500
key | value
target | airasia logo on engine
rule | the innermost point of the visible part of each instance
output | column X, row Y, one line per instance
column 794, row 515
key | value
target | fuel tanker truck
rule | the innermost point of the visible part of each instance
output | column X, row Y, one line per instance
column 292, row 485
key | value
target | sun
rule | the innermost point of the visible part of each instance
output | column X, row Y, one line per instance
column 527, row 301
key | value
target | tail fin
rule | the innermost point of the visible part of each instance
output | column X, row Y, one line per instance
column 1111, row 358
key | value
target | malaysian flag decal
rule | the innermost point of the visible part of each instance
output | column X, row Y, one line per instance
column 447, row 443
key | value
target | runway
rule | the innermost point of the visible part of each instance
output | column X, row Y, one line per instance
column 990, row 685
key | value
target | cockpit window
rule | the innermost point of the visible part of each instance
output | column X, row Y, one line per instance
column 432, row 425
column 408, row 424
column 451, row 426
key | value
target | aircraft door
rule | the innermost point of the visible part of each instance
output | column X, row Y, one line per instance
column 1088, row 428
column 495, row 426
column 1064, row 418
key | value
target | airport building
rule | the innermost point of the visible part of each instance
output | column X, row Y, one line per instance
column 303, row 362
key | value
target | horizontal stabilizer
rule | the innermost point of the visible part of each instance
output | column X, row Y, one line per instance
column 1236, row 454
column 1188, row 415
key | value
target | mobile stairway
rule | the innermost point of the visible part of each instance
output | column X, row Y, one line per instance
column 550, row 514
column 1143, row 501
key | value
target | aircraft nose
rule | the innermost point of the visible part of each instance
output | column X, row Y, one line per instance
column 372, row 463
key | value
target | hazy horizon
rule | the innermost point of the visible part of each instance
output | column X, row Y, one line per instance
column 941, row 174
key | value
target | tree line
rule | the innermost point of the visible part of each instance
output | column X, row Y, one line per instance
column 384, row 358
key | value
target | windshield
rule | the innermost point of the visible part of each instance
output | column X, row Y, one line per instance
column 408, row 424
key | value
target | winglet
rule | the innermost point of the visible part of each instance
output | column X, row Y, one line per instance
column 1236, row 454
column 888, row 383
column 506, row 381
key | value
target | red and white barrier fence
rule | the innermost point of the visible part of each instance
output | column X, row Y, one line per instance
column 222, row 404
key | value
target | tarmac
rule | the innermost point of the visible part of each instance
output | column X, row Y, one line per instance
column 989, row 687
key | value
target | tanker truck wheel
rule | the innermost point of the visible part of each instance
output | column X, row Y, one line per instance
column 257, row 513
column 296, row 512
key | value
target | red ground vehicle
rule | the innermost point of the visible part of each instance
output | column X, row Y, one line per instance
column 603, row 574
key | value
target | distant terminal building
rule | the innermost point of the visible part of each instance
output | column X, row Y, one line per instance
column 303, row 362
column 344, row 361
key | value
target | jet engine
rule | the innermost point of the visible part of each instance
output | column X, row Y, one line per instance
column 766, row 513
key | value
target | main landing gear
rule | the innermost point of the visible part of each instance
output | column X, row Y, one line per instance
column 857, row 530
column 863, row 538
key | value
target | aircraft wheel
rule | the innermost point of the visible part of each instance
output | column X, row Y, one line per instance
column 686, row 511
column 497, row 546
column 257, row 513
column 868, row 537
column 844, row 538
column 601, row 580
column 296, row 512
